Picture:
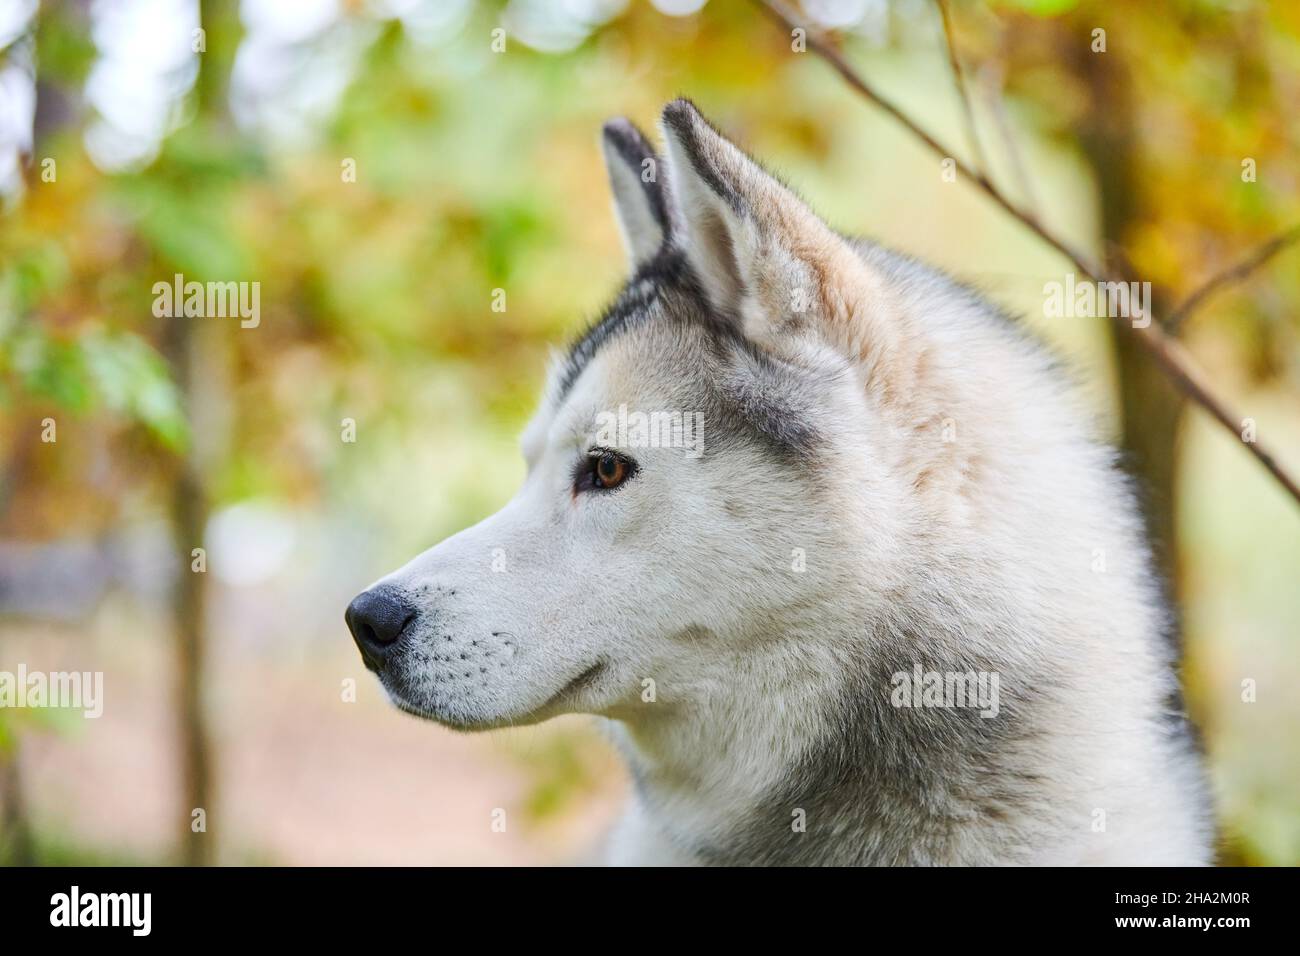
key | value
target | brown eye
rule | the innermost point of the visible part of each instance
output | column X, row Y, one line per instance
column 602, row 470
column 611, row 471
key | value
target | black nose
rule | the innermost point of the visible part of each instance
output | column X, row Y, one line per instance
column 376, row 619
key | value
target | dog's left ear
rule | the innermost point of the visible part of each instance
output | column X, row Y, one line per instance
column 760, row 252
column 639, row 197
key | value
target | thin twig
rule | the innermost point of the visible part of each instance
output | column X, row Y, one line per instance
column 1168, row 353
column 959, row 80
column 992, row 78
column 819, row 43
column 1235, row 273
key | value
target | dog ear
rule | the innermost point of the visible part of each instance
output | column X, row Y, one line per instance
column 640, row 204
column 760, row 252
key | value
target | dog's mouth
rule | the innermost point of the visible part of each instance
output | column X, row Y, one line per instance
column 553, row 706
column 446, row 720
column 580, row 683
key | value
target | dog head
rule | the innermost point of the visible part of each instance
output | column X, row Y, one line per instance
column 703, row 471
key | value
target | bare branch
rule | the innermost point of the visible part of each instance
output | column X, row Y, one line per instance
column 992, row 79
column 1168, row 353
column 959, row 80
column 1235, row 273
column 819, row 43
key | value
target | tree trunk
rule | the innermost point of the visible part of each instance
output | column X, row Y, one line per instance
column 189, row 517
column 196, row 359
column 16, row 846
column 1150, row 406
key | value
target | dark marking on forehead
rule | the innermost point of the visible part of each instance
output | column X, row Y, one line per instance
column 775, row 400
column 753, row 394
column 666, row 275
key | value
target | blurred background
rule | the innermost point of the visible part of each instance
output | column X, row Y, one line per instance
column 380, row 168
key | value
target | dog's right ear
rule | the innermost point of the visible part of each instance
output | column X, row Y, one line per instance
column 639, row 201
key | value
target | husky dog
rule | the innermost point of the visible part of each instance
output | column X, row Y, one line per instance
column 895, row 608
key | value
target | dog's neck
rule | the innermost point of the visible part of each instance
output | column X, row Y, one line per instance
column 716, row 761
column 728, row 738
column 802, row 758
